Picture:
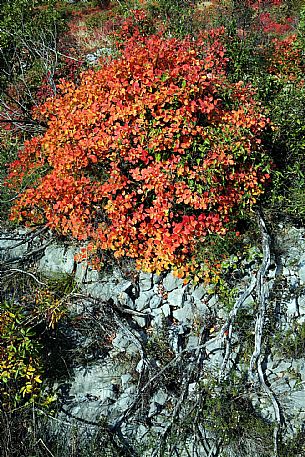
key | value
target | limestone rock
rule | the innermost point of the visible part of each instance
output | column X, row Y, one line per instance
column 57, row 259
column 176, row 297
column 198, row 292
column 184, row 315
column 170, row 282
column 155, row 301
column 143, row 300
column 145, row 281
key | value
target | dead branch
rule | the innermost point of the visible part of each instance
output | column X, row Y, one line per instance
column 228, row 326
column 256, row 358
column 12, row 271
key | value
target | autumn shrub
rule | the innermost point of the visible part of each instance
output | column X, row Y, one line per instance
column 147, row 156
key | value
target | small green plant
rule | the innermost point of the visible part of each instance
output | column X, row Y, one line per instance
column 175, row 15
column 229, row 415
column 289, row 148
column 291, row 343
column 20, row 360
column 294, row 446
column 25, row 321
column 158, row 345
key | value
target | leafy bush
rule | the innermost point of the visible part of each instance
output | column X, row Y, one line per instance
column 25, row 321
column 264, row 41
column 20, row 363
column 149, row 155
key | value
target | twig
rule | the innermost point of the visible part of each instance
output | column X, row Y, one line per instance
column 28, row 254
column 25, row 238
column 17, row 270
column 40, row 441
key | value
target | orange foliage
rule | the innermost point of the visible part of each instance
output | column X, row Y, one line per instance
column 286, row 61
column 148, row 155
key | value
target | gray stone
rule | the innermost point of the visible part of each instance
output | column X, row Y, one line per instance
column 124, row 299
column 156, row 279
column 293, row 383
column 142, row 431
column 184, row 315
column 123, row 344
column 294, row 282
column 103, row 291
column 155, row 301
column 158, row 317
column 176, row 297
column 160, row 397
column 299, row 367
column 57, row 259
column 286, row 271
column 124, row 286
column 192, row 387
column 301, row 304
column 145, row 281
column 267, row 412
column 214, row 346
column 91, row 58
column 292, row 307
column 12, row 248
column 93, row 382
column 166, row 309
column 153, row 410
column 92, row 275
column 297, row 400
column 141, row 321
column 125, row 380
column 143, row 300
column 192, row 342
column 213, row 301
column 157, row 402
column 157, row 312
column 125, row 400
column 301, row 273
column 200, row 309
column 301, row 320
column 222, row 313
column 132, row 349
column 170, row 282
column 84, row 411
column 248, row 303
column 198, row 292
column 271, row 273
column 140, row 366
column 282, row 367
column 281, row 388
column 81, row 272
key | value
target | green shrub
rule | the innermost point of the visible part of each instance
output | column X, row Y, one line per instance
column 20, row 361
